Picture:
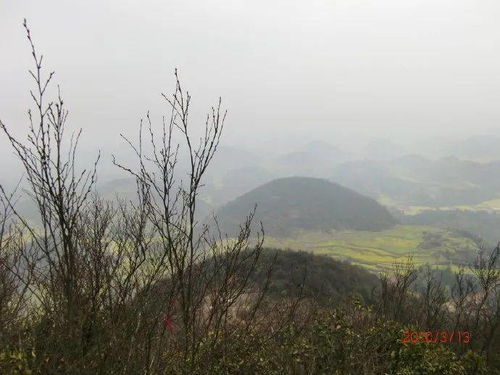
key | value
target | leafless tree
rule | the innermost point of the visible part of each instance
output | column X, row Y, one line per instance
column 118, row 287
column 394, row 291
column 208, row 272
column 486, row 303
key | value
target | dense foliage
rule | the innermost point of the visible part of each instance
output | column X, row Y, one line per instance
column 307, row 203
column 318, row 277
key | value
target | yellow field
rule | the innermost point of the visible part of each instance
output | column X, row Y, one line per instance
column 380, row 250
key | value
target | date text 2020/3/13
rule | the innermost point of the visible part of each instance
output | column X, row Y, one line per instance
column 440, row 336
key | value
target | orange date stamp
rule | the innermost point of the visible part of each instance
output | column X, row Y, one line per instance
column 442, row 336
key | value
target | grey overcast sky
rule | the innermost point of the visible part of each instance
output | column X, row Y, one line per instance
column 300, row 68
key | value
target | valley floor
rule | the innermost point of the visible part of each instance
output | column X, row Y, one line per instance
column 378, row 251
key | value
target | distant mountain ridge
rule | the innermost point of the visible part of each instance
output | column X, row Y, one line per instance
column 417, row 181
column 303, row 203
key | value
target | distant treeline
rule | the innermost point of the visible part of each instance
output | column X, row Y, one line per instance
column 478, row 225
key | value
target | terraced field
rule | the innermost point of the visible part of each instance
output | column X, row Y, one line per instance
column 379, row 251
column 491, row 206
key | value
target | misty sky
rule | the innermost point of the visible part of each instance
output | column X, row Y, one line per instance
column 309, row 68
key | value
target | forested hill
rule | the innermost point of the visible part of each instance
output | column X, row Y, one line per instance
column 300, row 203
column 300, row 273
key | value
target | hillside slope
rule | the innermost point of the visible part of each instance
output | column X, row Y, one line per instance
column 413, row 180
column 300, row 273
column 298, row 203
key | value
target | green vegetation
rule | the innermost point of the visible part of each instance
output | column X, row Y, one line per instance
column 379, row 250
column 301, row 274
column 288, row 204
column 478, row 225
